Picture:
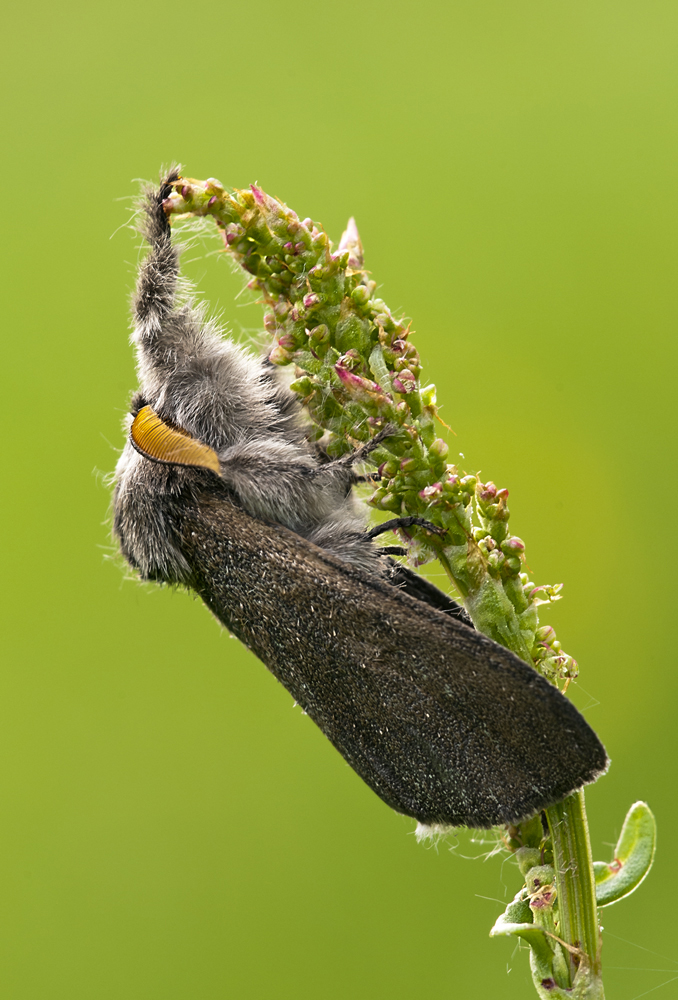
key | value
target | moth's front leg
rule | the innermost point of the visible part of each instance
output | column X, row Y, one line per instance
column 190, row 374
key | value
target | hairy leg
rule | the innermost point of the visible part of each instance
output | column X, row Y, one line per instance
column 189, row 373
column 404, row 522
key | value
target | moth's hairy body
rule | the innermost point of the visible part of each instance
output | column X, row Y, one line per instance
column 233, row 401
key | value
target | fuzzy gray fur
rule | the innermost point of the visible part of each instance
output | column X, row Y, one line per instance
column 235, row 402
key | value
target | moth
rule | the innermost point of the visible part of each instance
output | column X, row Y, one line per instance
column 218, row 489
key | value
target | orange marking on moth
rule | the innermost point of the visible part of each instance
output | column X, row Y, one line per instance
column 162, row 443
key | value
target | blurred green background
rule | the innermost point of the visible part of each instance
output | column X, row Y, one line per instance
column 171, row 828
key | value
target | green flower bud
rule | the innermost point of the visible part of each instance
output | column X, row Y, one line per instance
column 428, row 395
column 513, row 546
column 319, row 334
column 438, row 449
column 527, row 858
column 390, row 501
column 303, row 386
column 279, row 356
column 542, row 892
column 495, row 560
column 388, row 468
column 213, row 186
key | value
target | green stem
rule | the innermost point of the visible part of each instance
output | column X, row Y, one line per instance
column 575, row 884
column 578, row 923
column 489, row 607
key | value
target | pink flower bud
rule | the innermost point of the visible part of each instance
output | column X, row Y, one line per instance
column 431, row 492
column 405, row 382
column 545, row 634
column 355, row 383
column 311, row 300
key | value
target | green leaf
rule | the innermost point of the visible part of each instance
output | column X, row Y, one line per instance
column 633, row 857
column 516, row 921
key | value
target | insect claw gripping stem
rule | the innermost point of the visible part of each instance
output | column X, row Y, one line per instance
column 362, row 453
column 404, row 522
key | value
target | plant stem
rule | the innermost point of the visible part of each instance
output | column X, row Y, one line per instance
column 578, row 923
column 575, row 884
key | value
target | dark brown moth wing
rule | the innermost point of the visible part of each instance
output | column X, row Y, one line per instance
column 442, row 723
column 418, row 586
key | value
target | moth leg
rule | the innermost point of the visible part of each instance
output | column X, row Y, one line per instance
column 404, row 522
column 371, row 477
column 392, row 550
column 417, row 586
column 157, row 281
column 346, row 461
column 190, row 374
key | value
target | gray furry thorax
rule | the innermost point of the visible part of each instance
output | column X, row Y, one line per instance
column 235, row 402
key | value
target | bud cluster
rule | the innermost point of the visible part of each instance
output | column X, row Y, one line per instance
column 357, row 371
